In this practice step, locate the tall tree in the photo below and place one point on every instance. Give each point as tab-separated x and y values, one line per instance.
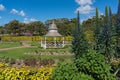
111	33
36	28
80	45
106	37
13	27
97	32
118	31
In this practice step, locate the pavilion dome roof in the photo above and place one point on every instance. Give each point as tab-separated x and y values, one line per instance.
53	31
53	34
53	26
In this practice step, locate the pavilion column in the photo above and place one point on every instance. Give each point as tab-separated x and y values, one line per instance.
55	42
63	43
45	44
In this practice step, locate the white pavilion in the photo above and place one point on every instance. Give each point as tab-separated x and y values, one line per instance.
54	34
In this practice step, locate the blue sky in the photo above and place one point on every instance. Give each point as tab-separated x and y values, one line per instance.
42	10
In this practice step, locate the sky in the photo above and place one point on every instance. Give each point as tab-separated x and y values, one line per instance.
41	10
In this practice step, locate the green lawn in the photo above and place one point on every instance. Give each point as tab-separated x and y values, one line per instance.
19	54
9	44
34	43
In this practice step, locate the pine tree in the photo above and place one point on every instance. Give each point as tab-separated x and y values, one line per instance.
97	32
110	17
106	37
80	45
111	33
117	26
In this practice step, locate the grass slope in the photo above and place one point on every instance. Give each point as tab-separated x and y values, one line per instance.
9	44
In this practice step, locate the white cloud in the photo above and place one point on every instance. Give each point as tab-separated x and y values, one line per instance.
0	17
86	9
101	13
2	7
14	11
85	6
84	2
22	13
26	20
33	19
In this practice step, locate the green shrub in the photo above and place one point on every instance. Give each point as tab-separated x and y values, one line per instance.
69	71
94	64
25	73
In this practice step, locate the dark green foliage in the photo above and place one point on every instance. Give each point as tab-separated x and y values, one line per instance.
90	66
69	72
36	28
117	26
65	27
111	34
17	28
94	64
80	45
110	17
104	41
107	36
118	8
97	32
13	27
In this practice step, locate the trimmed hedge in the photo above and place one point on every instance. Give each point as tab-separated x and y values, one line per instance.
34	38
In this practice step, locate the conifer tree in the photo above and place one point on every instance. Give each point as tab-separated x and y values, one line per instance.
80	45
106	37
117	26
97	32
111	33
110	17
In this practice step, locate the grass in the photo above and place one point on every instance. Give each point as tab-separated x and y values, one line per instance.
19	54
34	43
9	44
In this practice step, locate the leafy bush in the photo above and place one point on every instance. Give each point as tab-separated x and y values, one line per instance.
90	66
94	64
24	73
69	71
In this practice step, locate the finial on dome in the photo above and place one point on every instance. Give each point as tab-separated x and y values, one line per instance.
53	22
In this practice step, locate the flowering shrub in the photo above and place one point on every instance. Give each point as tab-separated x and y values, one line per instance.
34	38
24	73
